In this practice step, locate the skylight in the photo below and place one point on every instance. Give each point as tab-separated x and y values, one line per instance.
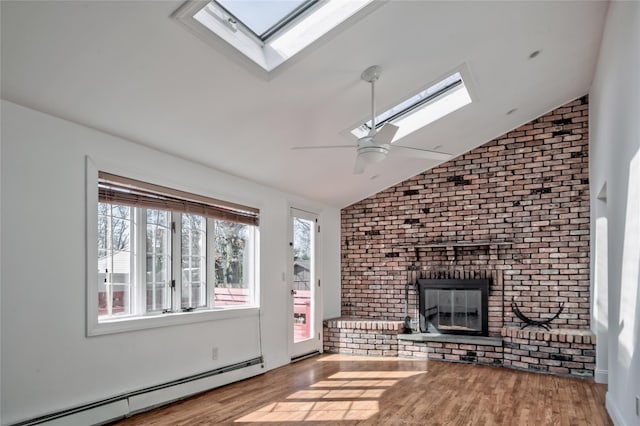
268	32
263	18
425	107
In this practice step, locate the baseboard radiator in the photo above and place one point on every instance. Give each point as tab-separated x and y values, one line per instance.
124	405
304	356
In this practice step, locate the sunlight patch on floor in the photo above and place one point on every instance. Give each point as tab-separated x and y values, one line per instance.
359	358
313	411
375	374
347	395
337	394
353	383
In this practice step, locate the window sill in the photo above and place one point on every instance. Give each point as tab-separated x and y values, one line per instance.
166	320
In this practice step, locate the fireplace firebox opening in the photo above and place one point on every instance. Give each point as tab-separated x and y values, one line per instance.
454	306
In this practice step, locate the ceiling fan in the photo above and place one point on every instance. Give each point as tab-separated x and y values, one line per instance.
375	146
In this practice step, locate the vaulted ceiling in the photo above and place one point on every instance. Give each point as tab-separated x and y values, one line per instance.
129	69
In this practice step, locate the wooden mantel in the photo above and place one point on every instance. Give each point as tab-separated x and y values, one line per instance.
455	245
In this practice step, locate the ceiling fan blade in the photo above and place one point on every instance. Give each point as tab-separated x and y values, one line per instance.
359	167
407	151
385	134
322	147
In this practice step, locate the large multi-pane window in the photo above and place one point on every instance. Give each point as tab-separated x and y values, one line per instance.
160	254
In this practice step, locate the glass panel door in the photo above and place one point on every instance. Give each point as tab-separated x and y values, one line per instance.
304	283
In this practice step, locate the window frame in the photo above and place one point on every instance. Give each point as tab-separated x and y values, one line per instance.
139	319
171	253
265	57
306	6
179	276
461	86
133	267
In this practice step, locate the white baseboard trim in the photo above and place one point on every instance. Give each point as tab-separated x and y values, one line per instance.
614	412
93	416
601	376
150	400
126	405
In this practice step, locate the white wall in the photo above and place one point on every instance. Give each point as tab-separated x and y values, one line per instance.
48	363
0	269
332	289
615	160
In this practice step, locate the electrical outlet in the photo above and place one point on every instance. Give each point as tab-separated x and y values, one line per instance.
214	353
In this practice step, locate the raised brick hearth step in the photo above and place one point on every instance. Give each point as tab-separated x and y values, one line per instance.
554	335
558	351
451	338
364	323
347	335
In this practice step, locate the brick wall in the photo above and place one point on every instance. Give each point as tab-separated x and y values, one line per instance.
529	186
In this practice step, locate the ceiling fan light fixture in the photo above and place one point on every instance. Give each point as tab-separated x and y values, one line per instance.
373	154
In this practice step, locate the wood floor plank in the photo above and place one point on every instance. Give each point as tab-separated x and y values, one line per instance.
338	389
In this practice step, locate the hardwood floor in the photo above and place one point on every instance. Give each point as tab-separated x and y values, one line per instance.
339	389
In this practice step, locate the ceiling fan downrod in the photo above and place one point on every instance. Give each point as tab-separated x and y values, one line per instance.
371	75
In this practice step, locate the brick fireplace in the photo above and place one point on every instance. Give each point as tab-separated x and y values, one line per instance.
515	210
453	305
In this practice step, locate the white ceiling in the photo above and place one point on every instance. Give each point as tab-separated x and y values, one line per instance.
128	69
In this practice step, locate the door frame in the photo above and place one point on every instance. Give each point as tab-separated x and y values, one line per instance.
314	344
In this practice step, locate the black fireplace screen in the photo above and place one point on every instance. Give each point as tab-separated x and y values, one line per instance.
453	306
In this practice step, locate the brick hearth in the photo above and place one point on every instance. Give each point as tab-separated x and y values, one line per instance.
567	352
